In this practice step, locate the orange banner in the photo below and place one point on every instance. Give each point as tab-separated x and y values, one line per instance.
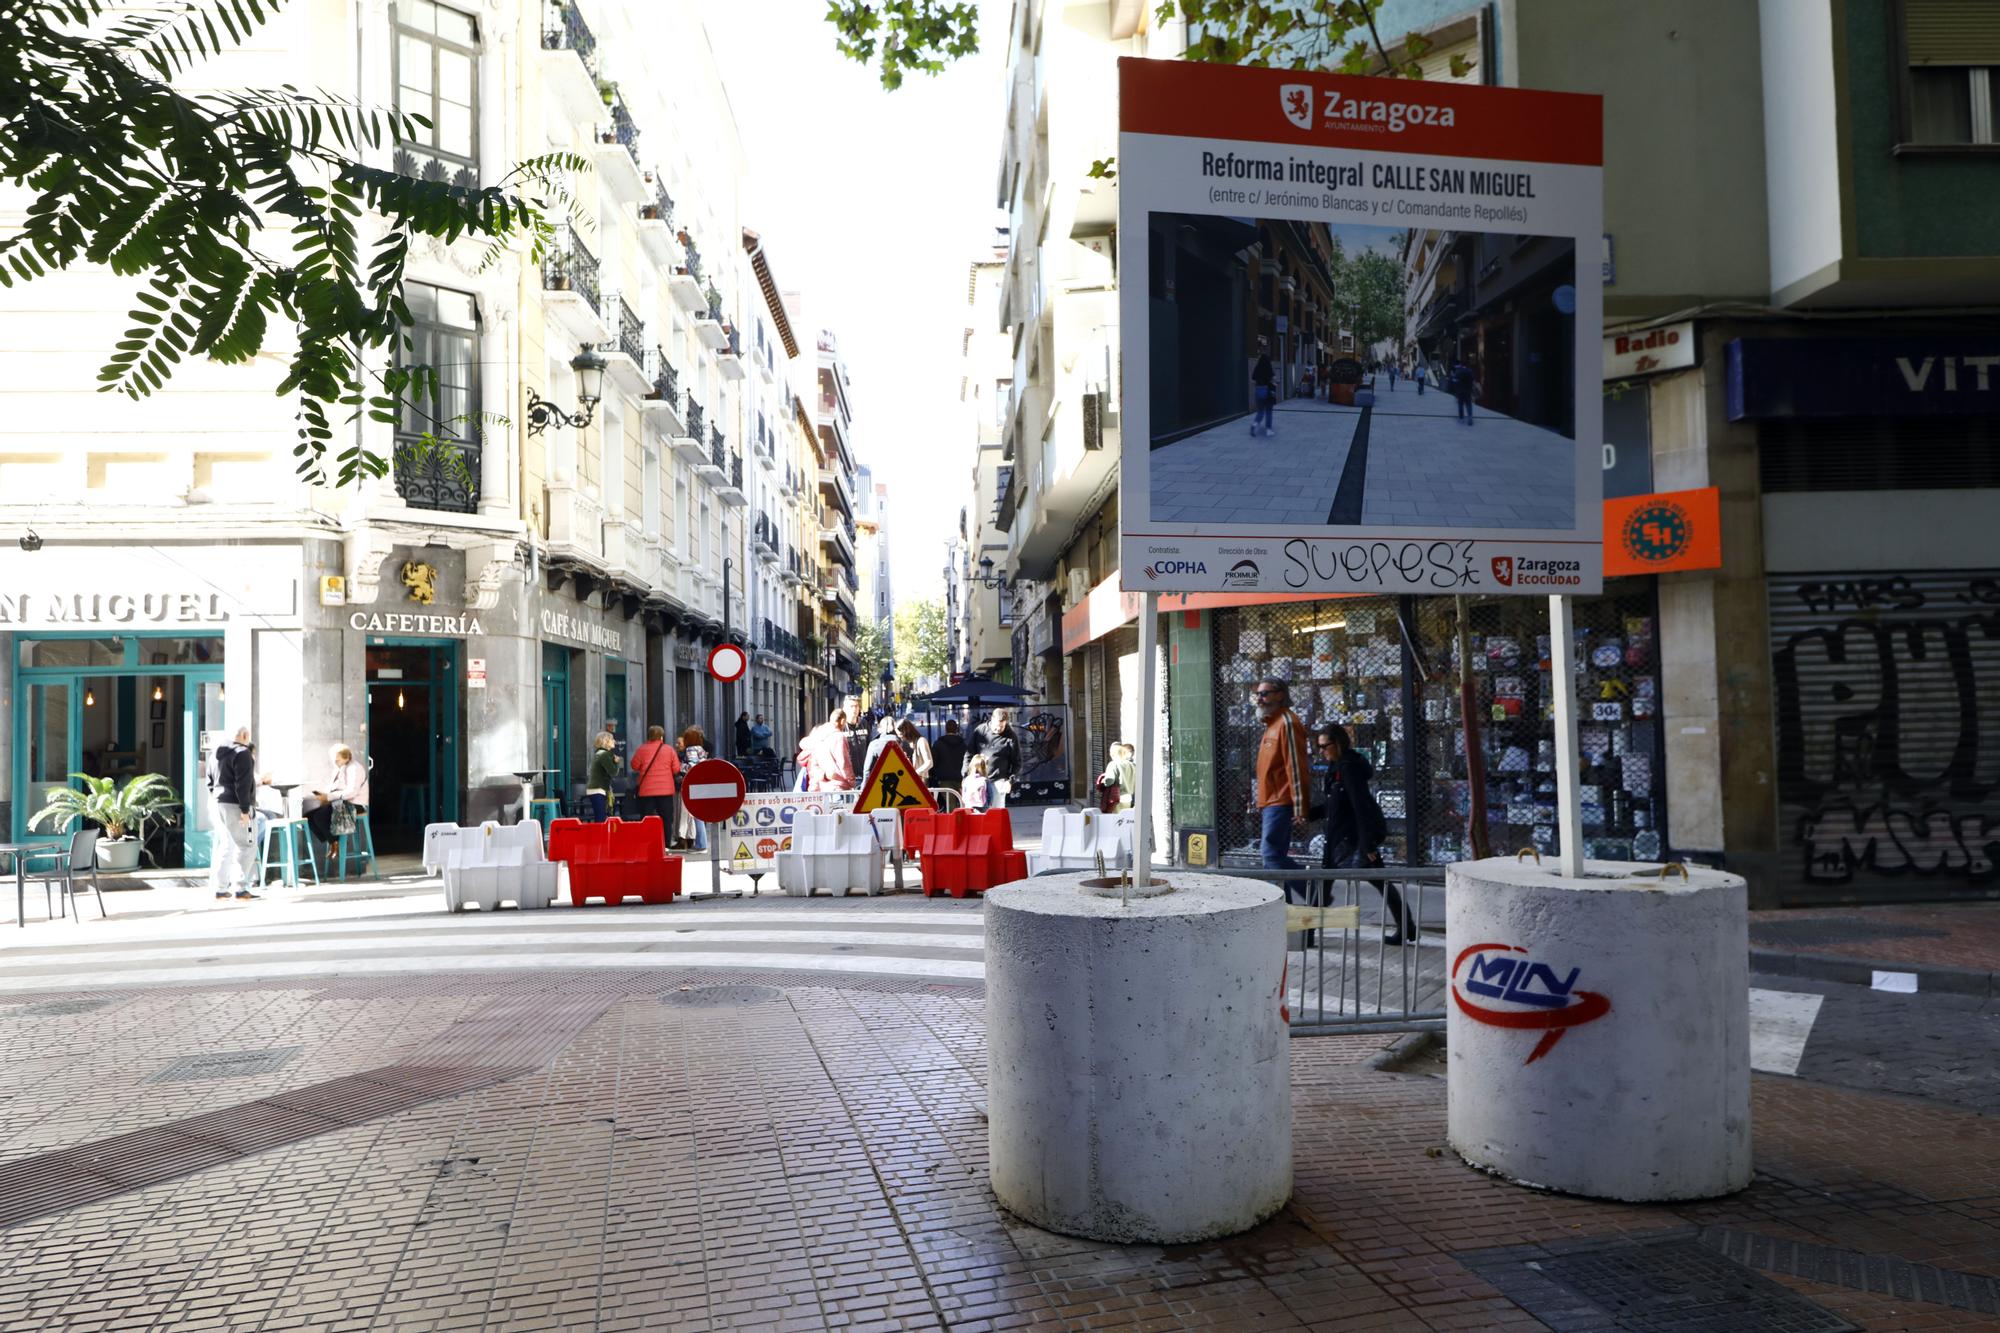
1663	532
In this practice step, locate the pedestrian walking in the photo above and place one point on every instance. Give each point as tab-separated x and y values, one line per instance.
1264	391
824	759
232	808
1355	825
1281	796
1119	781
603	771
656	770
858	733
918	749
948	756
999	745
694	749
330	814
1392	376
1464	386
885	731
1421	373
976	789
740	739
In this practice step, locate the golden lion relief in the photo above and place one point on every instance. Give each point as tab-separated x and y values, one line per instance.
421	580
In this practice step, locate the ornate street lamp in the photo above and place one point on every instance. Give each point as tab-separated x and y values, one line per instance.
589	368
987	578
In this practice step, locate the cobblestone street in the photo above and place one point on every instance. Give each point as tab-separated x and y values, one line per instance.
717	1150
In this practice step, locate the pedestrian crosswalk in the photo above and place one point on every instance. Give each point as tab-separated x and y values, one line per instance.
941	943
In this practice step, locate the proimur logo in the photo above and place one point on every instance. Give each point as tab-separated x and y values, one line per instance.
1503	570
1242	574
1159	567
1297	100
1658	531
1531	996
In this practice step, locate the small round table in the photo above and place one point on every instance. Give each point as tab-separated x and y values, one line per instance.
528	776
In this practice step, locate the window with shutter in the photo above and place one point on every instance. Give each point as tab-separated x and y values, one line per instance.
1952	48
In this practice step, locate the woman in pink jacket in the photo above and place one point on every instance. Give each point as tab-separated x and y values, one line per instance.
656	771
825	758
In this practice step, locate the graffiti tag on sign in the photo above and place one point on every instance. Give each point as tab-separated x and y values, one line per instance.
1530	995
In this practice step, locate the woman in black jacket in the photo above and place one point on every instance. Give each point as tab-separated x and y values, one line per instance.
1355	826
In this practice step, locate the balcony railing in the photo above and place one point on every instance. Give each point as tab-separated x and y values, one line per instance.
631	333
784	643
716	449
694	257
666	380
564	30
736	471
570	267
437	474
661	209
694	417
852	579
735	347
622	130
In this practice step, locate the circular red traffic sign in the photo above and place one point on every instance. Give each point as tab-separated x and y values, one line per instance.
728	662
713	790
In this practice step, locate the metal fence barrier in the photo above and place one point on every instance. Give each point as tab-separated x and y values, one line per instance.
1344	974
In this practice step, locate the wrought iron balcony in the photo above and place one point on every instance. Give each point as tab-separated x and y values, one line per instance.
736	471
570	267
735	346
437	474
631	333
777	639
716	449
563	29
694	257
661	208
694	417
666	380
622	130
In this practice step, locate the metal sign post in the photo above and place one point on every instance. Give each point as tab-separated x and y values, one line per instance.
714	791
1142	794
1562	673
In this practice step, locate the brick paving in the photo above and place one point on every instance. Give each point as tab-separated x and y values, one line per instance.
812	1155
1956	935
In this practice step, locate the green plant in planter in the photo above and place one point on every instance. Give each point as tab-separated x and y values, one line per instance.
714	302
103	802
607	90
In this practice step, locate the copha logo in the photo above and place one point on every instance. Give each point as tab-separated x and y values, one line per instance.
1503	570
1159	567
1547	1004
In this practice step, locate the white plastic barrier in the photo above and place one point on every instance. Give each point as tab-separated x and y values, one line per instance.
888	829
832	852
439	840
1074	839
496	863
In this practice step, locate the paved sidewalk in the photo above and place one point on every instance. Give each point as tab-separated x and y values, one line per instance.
723	1152
1416	466
1947	946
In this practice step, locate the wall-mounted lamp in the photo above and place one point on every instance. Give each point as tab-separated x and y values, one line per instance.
399	698
222	694
90	698
589	368
987	578
158	693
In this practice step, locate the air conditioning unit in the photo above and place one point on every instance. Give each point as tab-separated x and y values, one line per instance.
1079	587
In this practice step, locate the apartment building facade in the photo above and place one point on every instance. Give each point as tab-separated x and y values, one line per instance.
978	567
837	580
557	545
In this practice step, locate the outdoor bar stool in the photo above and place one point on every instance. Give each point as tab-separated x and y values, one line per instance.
545	810
289	836
346	849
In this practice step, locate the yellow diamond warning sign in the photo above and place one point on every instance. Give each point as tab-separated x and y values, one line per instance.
893	785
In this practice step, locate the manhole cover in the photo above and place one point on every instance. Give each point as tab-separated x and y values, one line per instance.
715	997
54	1008
1679	1287
226	1064
1838	932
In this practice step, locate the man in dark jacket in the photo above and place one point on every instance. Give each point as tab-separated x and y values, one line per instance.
948	757
1263	380
232	807
1000	745
1355	826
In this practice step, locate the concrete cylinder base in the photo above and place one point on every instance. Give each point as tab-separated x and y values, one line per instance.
1599	1029
1138	1076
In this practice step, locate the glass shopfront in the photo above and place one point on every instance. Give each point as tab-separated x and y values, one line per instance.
1389	670
118	706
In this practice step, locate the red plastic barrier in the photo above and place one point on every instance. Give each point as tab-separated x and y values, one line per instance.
916	827
965	853
616	860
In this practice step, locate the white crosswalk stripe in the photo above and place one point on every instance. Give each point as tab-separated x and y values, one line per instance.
402	935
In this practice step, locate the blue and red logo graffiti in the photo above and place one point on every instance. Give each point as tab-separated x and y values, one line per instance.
1504	972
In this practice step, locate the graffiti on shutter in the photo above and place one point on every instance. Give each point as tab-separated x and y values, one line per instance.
1887	707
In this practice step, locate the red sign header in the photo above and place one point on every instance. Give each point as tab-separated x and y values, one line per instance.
1192	100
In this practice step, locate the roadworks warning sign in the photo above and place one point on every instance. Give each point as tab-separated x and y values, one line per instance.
893	785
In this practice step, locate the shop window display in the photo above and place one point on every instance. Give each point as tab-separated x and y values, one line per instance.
1388	670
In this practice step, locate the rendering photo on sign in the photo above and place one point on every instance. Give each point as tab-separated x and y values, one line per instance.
1354	353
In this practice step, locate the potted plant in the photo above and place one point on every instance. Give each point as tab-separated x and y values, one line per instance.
121	812
607	90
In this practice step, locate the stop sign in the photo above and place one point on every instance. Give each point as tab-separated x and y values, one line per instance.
713	790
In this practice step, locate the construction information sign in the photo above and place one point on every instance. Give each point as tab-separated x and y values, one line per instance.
760	830
893	785
1353	314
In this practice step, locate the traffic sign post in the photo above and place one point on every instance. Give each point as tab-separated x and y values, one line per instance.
713	791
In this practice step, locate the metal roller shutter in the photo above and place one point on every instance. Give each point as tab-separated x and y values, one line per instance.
1952	32
1887	711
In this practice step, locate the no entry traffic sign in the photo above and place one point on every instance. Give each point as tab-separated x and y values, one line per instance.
714	790
728	662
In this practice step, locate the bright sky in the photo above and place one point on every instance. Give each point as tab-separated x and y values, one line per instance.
871	204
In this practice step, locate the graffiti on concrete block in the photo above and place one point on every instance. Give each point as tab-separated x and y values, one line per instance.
1841	840
1888	726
